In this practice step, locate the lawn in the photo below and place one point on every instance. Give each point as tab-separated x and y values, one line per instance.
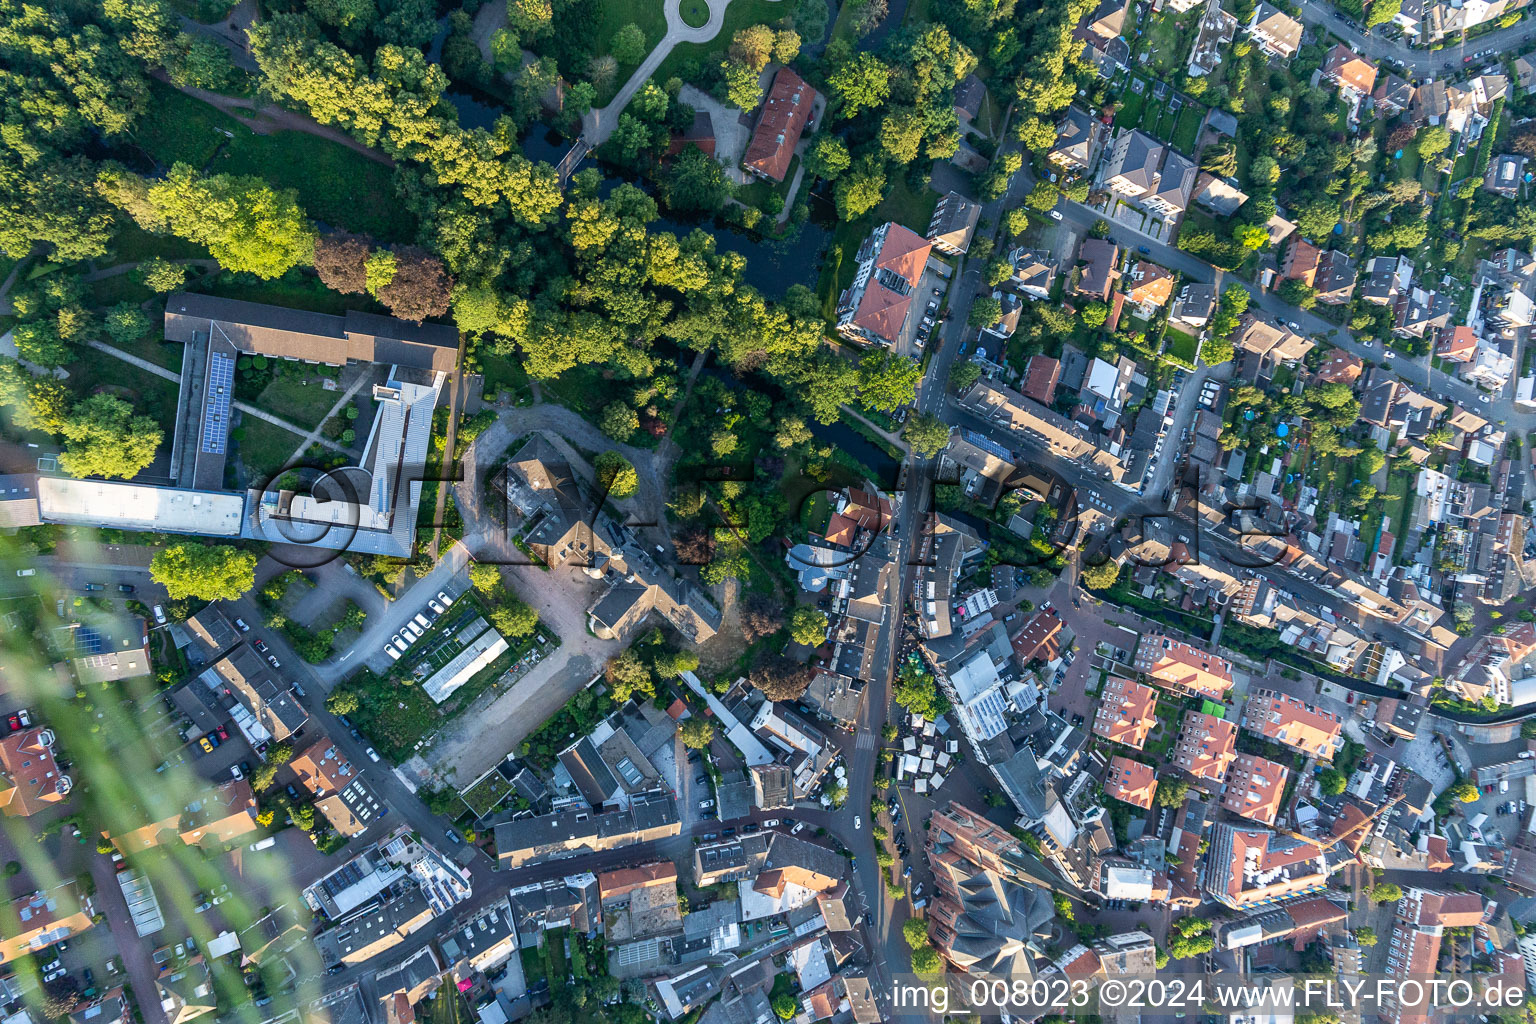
1131	103
503	373
912	209
297	395
1186	131
264	448
1182	347
1396	509
109	291
155	349
1166	41
739	15
336	185
756	192
695	13
648	15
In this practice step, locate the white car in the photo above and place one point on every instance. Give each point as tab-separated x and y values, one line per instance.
26	572
858	822
442	596
1483	399
1055	215
394	655
796	830
437	609
373	755
1368	343
770	823
1525	755
55	975
410	630
1389	353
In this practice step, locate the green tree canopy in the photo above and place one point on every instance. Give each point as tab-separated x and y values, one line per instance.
206	572
697	732
102	437
514	618
808	626
1102	576
616	475
888	381
927	434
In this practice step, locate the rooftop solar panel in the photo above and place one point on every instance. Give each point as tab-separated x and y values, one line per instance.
221	384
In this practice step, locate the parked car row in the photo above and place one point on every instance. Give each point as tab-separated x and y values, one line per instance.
417	626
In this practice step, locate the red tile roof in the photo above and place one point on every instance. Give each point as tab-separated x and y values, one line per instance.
784	116
904	253
1131	782
881	311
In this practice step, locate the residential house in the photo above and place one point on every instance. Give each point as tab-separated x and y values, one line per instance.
1079	138
953	223
1034	272
700	133
1219	195
1127	712
41	918
1206	746
786	114
1525	72
1294	723
1194	306
1254	788
1353	74
1417	311
1505	174
1276	32
341	793
970	94
1335	278
1041	375
32	779
1340	367
1457	346
535	840
1215	33
1151	287
875	308
1300	263
1393	95
1183	668
1131	782
1385	278
186	990
1100	261
1010	307
1271	342
1106	22
1145	171
1491	366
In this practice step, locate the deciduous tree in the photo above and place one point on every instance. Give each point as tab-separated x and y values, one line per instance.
102	437
205	572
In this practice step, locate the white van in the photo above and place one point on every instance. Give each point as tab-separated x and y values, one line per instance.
389	649
410	630
422	621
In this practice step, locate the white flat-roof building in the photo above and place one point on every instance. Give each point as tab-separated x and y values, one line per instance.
131	506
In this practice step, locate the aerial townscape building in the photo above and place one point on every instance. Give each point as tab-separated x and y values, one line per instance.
765	512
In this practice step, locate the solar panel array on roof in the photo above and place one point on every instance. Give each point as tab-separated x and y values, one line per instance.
345	877
87	641
221	385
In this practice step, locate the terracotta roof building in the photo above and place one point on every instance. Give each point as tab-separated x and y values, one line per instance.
1348	70
1206	746
1182	667
1459	345
1040	638
1340	367
1293	723
875	307
342	794
1300	263
1131	782
785	114
1254	788
1127	712
32	778
43	918
1041	375
1246	867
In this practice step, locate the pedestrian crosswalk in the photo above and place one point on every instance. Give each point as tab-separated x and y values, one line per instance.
866	740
